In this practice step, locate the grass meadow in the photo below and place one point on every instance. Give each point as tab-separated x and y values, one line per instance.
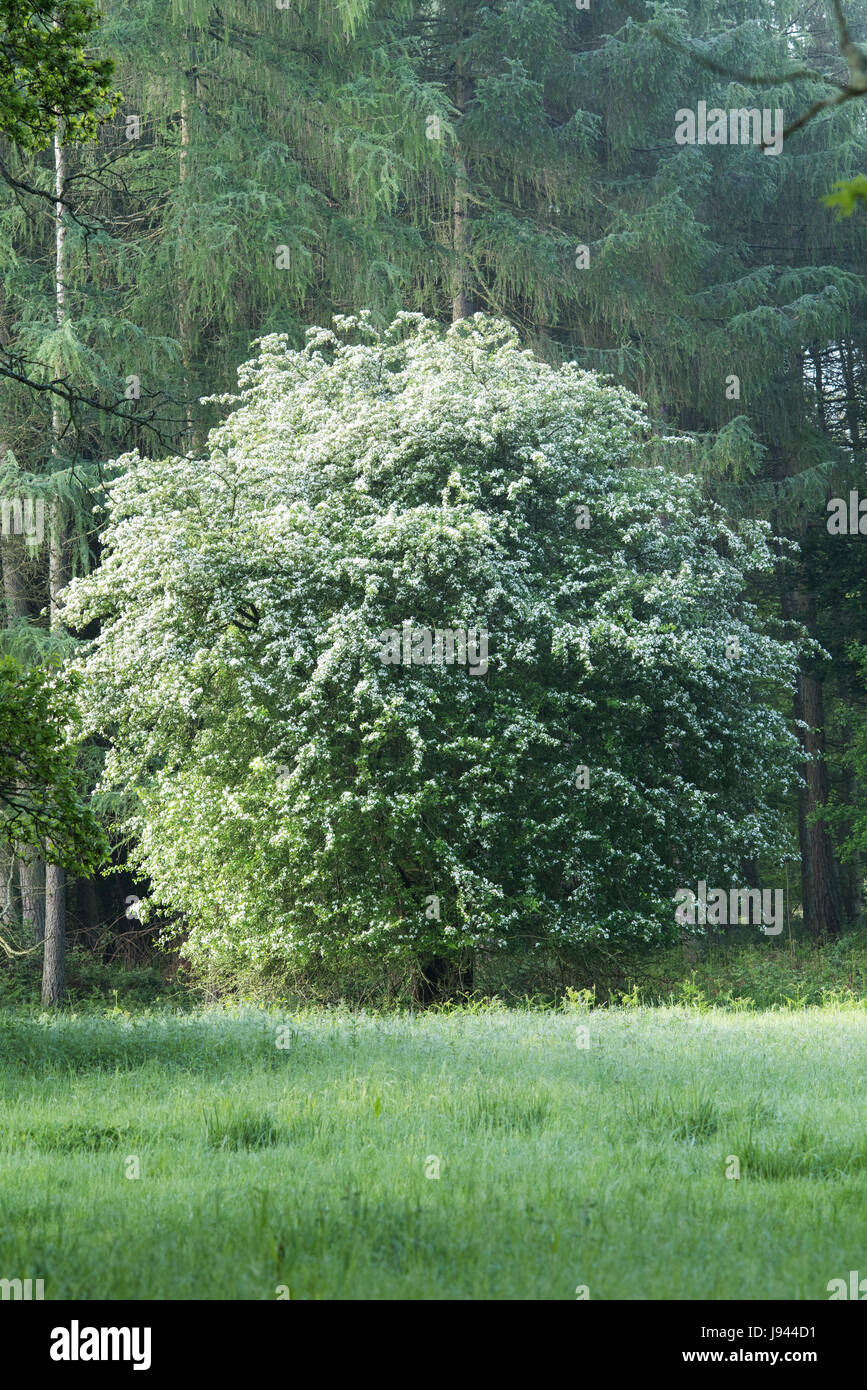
574	1146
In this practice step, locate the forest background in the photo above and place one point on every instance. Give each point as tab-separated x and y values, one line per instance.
269	166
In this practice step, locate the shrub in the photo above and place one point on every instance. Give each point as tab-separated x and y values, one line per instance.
299	798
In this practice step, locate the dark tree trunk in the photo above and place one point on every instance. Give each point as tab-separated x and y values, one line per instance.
852	881
847	361
13	559
827	900
31	870
850	876
820	878
808	896
88	905
31	879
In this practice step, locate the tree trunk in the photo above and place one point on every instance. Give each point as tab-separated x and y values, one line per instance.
31	869
54	963
13	572
847	361
808	894
184	325
9	898
820	878
89	903
460	295
31	879
461	230
852	888
827	901
185	322
750	878
54	960
851	872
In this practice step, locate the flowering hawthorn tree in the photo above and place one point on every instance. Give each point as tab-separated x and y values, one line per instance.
298	786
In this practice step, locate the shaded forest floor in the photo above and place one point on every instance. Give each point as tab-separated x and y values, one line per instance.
740	971
482	1153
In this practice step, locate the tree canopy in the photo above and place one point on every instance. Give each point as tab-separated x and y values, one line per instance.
298	790
47	74
43	797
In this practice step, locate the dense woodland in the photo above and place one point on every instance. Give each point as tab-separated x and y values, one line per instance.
269	166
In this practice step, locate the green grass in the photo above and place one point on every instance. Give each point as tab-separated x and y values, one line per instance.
559	1165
